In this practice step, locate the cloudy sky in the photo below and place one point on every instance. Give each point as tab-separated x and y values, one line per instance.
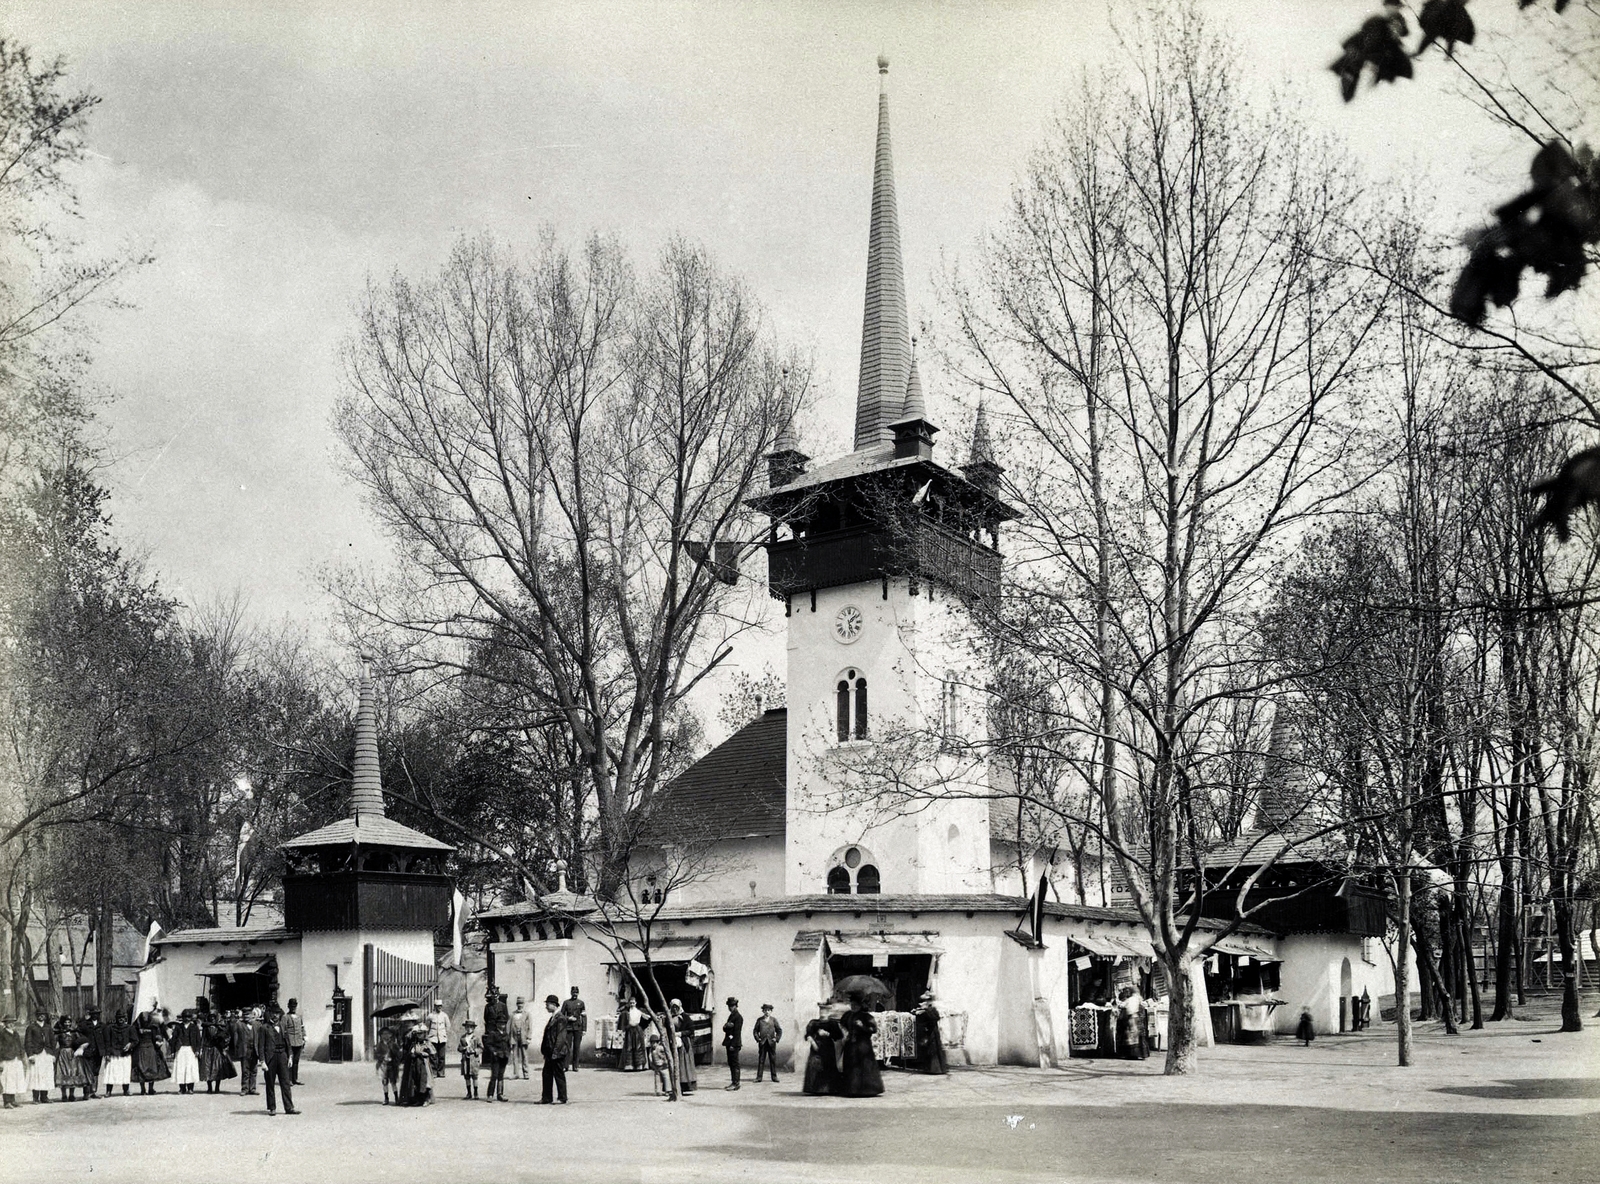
273	156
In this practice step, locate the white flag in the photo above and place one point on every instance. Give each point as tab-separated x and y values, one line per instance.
457	903
922	494
149	939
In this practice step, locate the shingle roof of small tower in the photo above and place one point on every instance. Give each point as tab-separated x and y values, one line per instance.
367	824
366	787
914	407
885	329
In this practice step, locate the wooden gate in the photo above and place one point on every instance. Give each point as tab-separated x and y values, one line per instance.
387	979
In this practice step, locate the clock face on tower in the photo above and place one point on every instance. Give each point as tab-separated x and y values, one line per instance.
847	625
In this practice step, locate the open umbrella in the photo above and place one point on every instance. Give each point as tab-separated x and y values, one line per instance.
863	984
398	1007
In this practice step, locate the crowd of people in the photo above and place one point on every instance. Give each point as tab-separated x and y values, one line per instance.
93	1058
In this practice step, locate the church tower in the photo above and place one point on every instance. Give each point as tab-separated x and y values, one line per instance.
881	558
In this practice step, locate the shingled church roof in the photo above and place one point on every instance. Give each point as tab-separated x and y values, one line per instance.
736	791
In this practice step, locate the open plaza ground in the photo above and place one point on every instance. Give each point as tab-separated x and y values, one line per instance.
1517	1101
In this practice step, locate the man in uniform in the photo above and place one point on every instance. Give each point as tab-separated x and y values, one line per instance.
577	1024
438	1036
272	1052
294	1026
733	1041
553	1048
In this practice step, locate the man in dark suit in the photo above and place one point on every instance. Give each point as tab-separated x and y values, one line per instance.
733	1040
272	1054
553	1048
91	1035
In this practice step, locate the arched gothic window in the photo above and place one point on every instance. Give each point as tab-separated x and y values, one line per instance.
851	706
854	871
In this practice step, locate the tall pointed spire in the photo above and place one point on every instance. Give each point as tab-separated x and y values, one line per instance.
885	330
366	790
982	446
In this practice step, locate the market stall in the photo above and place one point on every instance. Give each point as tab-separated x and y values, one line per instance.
1241	975
1102	963
677	968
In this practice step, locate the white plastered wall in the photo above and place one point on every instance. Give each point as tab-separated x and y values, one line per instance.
906	647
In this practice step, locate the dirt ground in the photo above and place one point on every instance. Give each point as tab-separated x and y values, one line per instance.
1516	1102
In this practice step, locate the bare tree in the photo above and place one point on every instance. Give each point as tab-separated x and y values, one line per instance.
562	456
1173	339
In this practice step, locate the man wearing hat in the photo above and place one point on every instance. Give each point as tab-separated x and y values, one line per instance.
733	1040
89	1035
470	1049
553	1048
577	1013
767	1032
295	1025
521	1037
272	1054
438	1036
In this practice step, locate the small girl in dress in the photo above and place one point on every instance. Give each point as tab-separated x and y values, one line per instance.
656	1056
471	1049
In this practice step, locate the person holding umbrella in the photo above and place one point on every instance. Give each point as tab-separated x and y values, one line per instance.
860	1073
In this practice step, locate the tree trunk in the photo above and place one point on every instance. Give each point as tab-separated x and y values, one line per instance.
1428	985
1506	927
1464	925
1402	973
1571	1013
104	957
1183	1033
1433	975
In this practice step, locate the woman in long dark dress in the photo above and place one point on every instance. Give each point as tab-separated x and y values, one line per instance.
70	1076
822	1061
416	1081
862	1077
684	1026
930	1045
149	1064
215	1067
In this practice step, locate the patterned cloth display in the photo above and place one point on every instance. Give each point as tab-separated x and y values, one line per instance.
896	1035
1085	1027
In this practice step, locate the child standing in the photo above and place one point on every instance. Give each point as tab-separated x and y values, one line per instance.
471	1049
1307	1031
656	1055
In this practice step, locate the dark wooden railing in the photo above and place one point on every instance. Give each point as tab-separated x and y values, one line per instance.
366	900
919	547
1359	911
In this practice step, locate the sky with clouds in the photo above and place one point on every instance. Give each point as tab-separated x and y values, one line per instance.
274	156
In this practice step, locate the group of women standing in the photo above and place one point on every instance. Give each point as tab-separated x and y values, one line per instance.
840	1058
90	1058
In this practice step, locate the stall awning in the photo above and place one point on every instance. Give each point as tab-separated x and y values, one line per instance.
247	964
1114	945
667	949
1246	947
882	943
